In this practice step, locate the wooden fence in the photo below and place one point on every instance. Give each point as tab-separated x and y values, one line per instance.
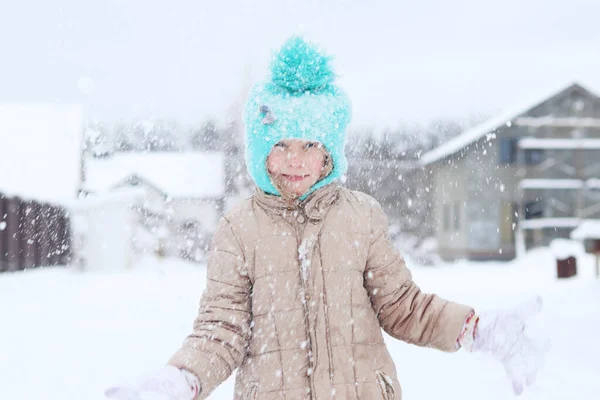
32	234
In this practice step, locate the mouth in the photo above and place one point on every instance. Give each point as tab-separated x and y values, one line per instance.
295	178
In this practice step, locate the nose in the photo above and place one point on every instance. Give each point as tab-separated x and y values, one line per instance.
295	159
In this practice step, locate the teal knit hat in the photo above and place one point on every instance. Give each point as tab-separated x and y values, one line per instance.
300	101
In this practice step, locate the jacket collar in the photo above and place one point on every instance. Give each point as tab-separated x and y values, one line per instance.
314	207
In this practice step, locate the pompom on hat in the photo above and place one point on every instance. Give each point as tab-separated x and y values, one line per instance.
299	101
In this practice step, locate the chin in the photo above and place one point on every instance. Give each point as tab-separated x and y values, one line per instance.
297	193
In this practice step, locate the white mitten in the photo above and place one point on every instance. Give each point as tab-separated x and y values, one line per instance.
168	383
502	335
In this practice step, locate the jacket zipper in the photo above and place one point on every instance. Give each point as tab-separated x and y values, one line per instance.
310	373
252	392
385	383
327	332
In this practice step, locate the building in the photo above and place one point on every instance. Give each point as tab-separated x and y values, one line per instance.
184	185
179	197
520	179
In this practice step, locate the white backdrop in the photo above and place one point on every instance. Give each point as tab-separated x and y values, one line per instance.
40	150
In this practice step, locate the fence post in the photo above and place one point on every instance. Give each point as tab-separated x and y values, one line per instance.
53	235
44	234
28	211
3	234
14	237
64	237
37	234
56	235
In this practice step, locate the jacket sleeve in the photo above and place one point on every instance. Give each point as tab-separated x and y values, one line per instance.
404	312
221	332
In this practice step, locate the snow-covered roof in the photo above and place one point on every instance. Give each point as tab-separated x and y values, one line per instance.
551	183
40	150
588	229
179	175
558	122
472	135
540	223
561	144
593	183
559	183
565	248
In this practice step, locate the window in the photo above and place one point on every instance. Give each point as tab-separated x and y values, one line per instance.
534	156
534	209
447	217
508	150
457	216
452	217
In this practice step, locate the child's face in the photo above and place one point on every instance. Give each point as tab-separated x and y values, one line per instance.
296	165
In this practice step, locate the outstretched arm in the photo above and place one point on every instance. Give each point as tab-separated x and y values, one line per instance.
403	310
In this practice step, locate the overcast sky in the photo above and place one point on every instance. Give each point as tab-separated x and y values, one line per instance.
399	61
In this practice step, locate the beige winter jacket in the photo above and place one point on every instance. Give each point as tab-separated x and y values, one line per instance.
296	298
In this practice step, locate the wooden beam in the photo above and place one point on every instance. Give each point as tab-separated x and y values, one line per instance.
559	144
540	223
568	122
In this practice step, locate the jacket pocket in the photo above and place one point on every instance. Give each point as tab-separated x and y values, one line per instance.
385	383
252	393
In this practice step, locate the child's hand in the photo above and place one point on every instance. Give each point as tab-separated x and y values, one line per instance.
168	383
502	335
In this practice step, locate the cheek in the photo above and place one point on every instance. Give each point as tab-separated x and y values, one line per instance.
274	163
316	163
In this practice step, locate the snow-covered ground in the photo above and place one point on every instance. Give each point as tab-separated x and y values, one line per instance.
67	335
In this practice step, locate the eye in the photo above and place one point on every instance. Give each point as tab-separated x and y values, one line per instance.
280	146
310	145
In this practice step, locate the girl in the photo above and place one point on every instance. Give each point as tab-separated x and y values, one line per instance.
302	276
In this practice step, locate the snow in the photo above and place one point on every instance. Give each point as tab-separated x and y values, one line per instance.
559	183
563	248
40	151
69	335
551	184
549	120
588	229
304	257
178	174
487	127
593	183
560	144
540	223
